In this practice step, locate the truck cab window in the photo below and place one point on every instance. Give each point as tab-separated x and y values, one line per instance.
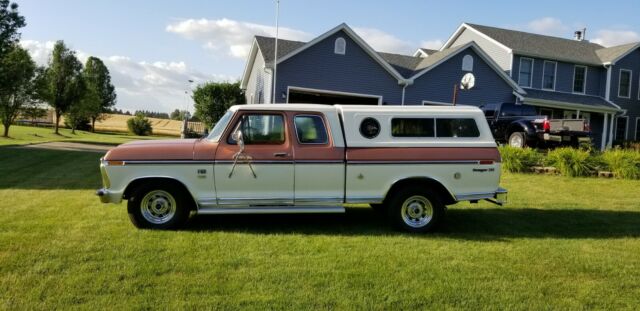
265	129
310	129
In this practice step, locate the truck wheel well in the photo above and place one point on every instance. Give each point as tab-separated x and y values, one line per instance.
425	182
135	184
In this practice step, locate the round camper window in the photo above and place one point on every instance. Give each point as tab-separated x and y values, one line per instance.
369	128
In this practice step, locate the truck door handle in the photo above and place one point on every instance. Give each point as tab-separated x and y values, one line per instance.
280	154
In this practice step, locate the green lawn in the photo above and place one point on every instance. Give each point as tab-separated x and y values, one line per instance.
22	135
560	243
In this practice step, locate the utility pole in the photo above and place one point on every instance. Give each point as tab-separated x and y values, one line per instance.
275	56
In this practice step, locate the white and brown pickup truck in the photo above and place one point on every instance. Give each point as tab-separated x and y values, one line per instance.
410	162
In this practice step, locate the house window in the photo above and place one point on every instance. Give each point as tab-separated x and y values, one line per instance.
549	75
579	79
467	63
340	46
526	72
621	128
637	129
624	83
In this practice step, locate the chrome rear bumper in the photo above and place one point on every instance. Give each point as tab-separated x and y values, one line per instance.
499	196
107	196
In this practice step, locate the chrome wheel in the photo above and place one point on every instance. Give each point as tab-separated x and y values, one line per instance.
158	207
516	141
417	211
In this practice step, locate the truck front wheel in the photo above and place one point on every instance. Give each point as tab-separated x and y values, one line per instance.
517	140
416	209
158	207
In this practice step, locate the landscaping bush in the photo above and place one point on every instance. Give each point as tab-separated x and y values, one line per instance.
139	125
624	163
518	160
573	162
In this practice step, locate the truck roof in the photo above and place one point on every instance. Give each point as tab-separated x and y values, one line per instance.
356	108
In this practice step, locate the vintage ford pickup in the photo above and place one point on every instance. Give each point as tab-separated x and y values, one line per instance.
407	161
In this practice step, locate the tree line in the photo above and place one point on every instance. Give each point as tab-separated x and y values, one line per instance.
81	93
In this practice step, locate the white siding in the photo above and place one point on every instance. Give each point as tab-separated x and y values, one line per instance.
497	53
258	80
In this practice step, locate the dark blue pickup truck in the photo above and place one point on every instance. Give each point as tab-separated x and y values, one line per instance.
520	126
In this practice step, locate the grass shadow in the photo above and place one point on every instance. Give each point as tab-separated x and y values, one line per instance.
478	224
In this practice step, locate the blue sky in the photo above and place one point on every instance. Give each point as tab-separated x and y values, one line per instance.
153	47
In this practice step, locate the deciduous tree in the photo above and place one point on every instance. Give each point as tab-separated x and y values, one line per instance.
212	100
10	22
16	84
102	95
64	84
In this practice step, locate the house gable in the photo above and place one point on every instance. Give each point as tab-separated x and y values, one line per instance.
318	67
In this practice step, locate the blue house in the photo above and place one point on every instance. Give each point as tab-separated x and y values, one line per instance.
568	78
563	78
339	67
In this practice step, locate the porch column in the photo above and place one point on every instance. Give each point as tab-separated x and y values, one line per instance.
610	143
604	132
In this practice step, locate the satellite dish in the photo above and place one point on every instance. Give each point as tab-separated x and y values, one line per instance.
468	81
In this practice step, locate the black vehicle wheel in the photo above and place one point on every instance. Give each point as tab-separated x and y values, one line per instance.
416	210
517	140
158	206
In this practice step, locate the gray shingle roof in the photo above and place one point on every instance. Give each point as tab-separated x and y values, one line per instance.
530	44
586	100
611	54
404	64
267	47
428	51
426	62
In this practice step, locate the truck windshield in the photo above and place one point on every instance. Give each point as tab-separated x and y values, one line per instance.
217	130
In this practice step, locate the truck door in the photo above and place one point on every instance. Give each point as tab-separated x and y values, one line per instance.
262	173
319	164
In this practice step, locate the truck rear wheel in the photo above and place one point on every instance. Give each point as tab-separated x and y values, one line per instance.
517	140
158	206
416	210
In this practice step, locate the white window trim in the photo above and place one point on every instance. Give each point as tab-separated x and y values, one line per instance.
635	133
626	128
344	46
431	102
471	62
520	70
584	83
630	82
555	74
638	89
305	89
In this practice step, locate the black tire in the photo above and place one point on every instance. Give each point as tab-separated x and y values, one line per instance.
517	139
167	198
429	205
378	207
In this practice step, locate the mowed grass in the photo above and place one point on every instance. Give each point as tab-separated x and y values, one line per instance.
560	243
22	135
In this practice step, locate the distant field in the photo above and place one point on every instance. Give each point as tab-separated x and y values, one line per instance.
23	135
118	123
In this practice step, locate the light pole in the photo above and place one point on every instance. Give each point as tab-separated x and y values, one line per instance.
185	118
275	56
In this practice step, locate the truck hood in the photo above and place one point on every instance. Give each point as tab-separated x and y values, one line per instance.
175	149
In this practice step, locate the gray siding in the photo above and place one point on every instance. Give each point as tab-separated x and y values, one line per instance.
437	84
318	67
255	92
497	53
632	105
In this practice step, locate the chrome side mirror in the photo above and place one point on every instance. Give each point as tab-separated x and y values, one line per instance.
237	136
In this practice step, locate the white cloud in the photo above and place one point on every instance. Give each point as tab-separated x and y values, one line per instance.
432	44
385	42
548	26
229	36
609	37
157	86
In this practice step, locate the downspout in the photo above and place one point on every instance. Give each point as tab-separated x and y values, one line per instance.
403	89
404	84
